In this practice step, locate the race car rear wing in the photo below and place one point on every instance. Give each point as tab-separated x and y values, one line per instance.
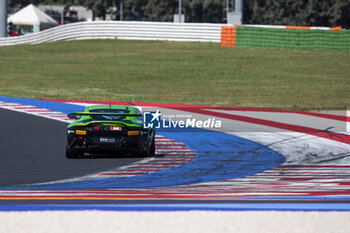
75	115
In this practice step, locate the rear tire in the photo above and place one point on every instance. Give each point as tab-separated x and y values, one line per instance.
153	147
150	151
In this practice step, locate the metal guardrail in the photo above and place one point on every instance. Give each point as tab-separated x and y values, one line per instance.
122	30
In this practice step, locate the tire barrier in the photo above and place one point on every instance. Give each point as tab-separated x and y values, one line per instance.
122	30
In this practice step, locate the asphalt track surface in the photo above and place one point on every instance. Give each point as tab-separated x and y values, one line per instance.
33	151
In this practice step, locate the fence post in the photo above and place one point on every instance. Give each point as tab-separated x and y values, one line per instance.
3	18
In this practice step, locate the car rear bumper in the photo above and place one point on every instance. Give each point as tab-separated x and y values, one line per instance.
120	143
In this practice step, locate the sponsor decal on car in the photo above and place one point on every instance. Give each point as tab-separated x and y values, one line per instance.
108	140
133	133
80	132
70	131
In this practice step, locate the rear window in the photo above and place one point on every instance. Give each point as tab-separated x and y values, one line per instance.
106	117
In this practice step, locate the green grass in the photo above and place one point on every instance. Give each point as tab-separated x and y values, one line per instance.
177	72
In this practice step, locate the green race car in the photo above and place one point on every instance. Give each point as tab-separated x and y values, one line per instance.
109	128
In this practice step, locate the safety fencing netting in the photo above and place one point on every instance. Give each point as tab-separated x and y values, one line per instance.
287	37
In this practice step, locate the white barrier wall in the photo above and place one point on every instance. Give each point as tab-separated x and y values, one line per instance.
122	30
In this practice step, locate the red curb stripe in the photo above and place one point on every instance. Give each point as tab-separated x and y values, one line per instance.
26	108
41	111
315	114
184	107
11	104
301	129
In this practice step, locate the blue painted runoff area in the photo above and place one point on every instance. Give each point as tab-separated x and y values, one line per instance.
219	157
183	207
